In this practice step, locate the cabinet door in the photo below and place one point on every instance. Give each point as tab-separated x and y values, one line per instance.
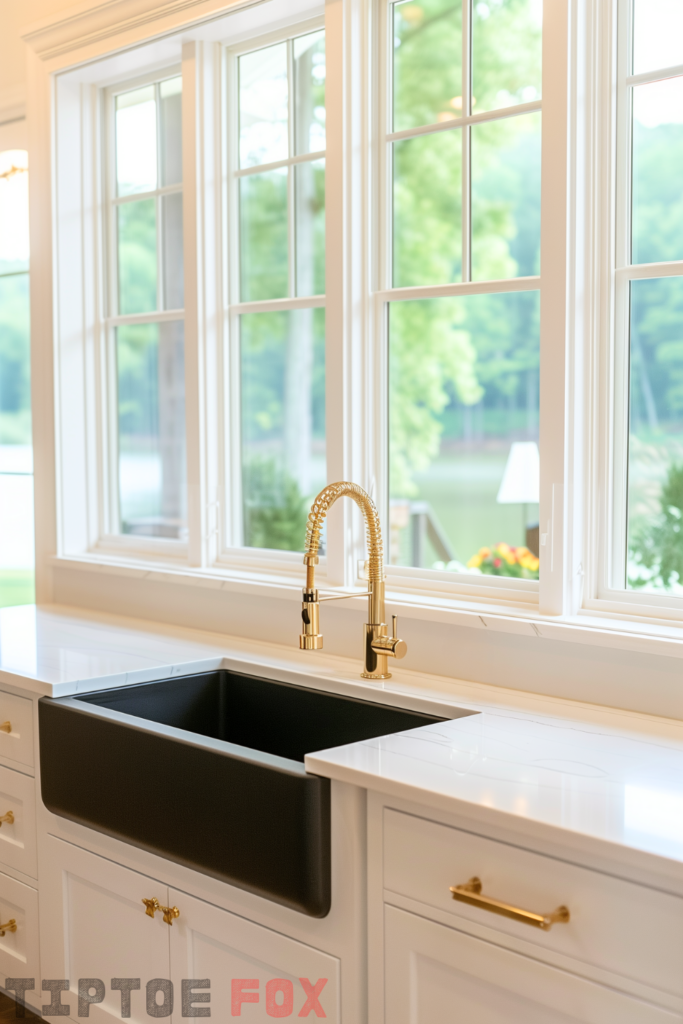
19	948
253	972
437	975
94	925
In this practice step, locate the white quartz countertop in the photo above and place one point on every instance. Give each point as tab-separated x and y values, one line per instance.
587	778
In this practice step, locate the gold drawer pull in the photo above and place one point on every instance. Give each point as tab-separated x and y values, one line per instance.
470	893
11	926
5	726
9	818
169	912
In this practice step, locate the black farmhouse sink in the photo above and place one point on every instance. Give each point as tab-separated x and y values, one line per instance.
208	771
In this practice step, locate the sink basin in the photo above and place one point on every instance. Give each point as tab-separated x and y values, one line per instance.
207	770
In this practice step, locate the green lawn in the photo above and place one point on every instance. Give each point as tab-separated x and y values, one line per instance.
16	587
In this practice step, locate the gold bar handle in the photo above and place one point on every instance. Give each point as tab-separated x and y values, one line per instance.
11	926
5	727
471	894
9	818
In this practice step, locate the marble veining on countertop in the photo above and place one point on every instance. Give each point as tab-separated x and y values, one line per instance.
597	773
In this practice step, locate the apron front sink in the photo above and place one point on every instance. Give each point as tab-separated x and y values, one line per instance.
207	770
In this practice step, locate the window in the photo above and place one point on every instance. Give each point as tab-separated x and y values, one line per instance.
16	456
232	374
277	287
647	524
146	325
460	265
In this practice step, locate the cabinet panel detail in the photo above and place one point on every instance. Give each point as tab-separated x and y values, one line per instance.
254	972
629	930
18	821
434	973
16	728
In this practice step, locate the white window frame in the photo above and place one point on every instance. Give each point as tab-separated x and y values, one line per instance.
231	552
112	537
610	377
405	577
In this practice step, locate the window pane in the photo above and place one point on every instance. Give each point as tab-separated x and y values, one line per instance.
170	111
283	424
427	209
655	458
463	419
16	526
263	236
14	249
137	242
16	455
136	141
264	92
309	76
151	420
15	363
506	198
506	53
310	228
427	62
172	234
657	35
657	220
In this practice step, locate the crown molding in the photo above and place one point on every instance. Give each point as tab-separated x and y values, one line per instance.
92	27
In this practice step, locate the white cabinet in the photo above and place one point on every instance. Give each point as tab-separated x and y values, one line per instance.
16	727
94	925
437	975
18	817
423	859
254	972
19	944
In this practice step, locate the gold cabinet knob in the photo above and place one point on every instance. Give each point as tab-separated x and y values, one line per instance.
169	914
151	905
9	818
11	926
5	726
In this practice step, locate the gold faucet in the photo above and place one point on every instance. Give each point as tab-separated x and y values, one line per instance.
377	643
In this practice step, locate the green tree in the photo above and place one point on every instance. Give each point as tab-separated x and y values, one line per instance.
449	355
657	545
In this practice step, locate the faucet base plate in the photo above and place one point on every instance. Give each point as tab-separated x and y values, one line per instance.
375	675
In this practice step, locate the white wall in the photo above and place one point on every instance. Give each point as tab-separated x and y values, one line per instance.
15	15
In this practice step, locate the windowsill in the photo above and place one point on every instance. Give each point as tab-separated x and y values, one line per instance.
498	613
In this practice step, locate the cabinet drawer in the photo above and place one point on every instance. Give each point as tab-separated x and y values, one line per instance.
19	949
18	837
626	929
438	974
16	744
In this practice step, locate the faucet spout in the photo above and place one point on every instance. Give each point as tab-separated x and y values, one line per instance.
377	644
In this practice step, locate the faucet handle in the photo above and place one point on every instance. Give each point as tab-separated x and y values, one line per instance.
390	645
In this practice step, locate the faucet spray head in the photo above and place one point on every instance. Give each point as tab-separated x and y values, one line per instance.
310	638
